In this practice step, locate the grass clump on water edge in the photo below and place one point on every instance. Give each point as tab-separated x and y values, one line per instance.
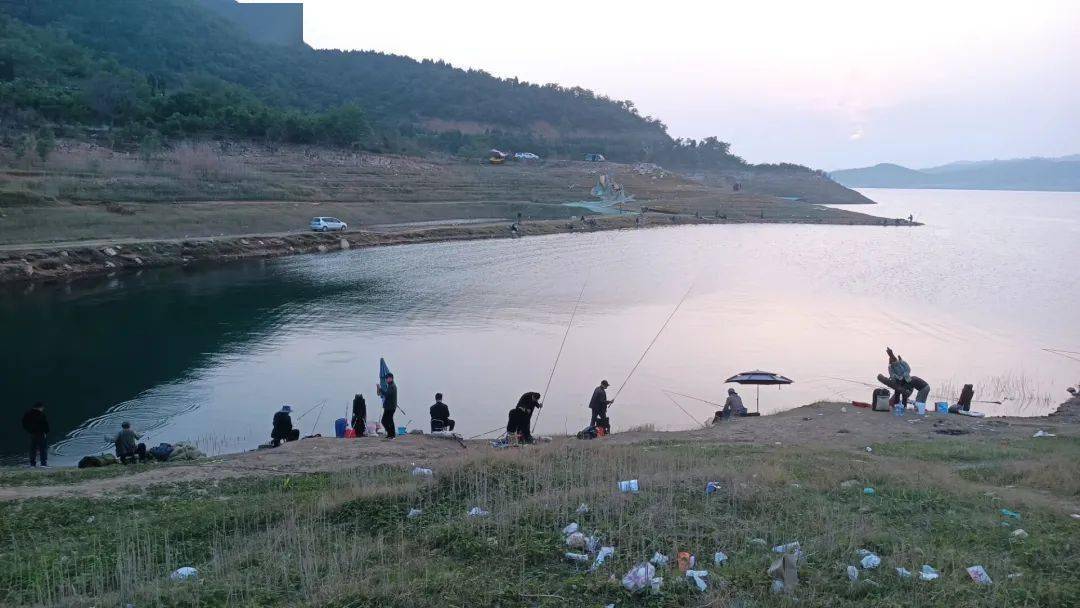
343	539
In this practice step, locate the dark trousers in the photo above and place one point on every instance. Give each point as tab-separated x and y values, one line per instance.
388	423
599	418
901	390
39	448
139	453
360	425
292	435
442	425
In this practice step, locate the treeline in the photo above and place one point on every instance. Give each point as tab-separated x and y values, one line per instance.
169	68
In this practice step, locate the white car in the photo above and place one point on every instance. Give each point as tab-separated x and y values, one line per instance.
526	156
326	224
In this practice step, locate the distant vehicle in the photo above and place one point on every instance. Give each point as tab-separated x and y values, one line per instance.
497	157
326	224
595	158
526	156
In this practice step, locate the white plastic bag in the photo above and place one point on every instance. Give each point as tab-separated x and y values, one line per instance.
639	577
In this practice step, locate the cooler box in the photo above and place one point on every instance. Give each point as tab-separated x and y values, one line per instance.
880	400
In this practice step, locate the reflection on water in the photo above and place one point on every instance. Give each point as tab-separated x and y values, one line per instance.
208	355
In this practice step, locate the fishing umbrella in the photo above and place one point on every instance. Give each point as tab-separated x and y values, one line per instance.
758	378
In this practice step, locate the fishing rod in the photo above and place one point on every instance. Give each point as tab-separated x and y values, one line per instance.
558	355
655	338
693	397
308	411
1068	354
317	418
488	432
672	399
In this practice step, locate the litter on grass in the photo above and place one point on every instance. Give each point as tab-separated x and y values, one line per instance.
1019	534
698	577
641	577
979	575
928	573
422	472
903	572
414	513
1012	514
478	512
576	541
785	574
571	528
185	573
577	557
659	559
629	486
868	491
787	548
870	561
852	573
719	558
1042	433
601	557
582	509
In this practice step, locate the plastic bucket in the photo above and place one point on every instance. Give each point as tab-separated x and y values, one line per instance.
339	427
402	430
921	408
942	407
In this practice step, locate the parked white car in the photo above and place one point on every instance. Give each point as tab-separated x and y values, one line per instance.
326	224
526	156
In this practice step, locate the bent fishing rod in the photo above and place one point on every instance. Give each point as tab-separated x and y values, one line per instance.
682	408
558	355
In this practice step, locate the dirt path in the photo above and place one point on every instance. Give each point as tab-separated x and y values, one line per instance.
830	425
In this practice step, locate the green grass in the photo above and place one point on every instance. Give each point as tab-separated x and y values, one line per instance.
343	540
11	477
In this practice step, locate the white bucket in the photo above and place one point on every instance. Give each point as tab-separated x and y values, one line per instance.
921	407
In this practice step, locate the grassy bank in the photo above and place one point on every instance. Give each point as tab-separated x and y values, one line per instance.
342	539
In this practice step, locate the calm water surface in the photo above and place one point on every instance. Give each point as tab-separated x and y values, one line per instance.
208	355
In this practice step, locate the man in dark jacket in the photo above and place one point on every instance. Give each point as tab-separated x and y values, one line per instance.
598	404
283	427
519	420
36	425
440	415
127	444
389	406
359	415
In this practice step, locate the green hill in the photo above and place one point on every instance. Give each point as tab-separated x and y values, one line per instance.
1061	174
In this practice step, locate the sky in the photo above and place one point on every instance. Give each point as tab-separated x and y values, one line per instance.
831	84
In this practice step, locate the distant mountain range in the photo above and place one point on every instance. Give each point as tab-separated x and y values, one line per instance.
1061	174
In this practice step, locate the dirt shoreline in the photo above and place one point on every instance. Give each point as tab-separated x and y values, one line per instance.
833	425
68	261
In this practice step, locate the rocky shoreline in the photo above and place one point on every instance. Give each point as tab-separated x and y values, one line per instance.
60	263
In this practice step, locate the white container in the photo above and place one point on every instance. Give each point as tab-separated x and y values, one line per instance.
921	407
630	486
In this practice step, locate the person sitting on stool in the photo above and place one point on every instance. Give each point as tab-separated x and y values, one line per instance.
127	446
283	428
440	415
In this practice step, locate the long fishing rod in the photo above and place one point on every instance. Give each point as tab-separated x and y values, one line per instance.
488	432
672	399
317	418
655	338
693	397
558	355
308	411
1068	354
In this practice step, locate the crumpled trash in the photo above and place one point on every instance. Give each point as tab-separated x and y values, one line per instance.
571	528
1042	433
629	486
850	483
852	573
414	513
869	449
601	557
639	578
928	573
478	512
785	574
759	542
869	491
719	558
712	487
903	572
185	573
686	561
422	472
1012	514
582	509
869	560
592	544
1019	534
659	559
698	577
576	541
576	557
979	575
787	548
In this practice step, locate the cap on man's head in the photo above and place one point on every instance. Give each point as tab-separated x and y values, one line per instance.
389	376
125	425
286	408
731	391
604	383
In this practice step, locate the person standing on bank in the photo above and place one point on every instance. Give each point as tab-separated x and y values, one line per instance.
36	424
519	420
440	415
359	415
389	406
599	404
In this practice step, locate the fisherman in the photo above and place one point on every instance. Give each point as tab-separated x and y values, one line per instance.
519	420
359	415
599	404
514	230
440	415
36	424
900	379
389	406
733	406
283	427
127	446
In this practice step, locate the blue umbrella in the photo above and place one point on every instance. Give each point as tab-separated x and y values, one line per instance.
758	378
384	371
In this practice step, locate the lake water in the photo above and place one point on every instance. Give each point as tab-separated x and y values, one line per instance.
208	355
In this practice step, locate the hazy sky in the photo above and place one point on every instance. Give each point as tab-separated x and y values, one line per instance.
831	84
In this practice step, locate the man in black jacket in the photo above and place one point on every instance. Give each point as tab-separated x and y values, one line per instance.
598	404
440	415
389	406
36	425
283	427
359	415
519	420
